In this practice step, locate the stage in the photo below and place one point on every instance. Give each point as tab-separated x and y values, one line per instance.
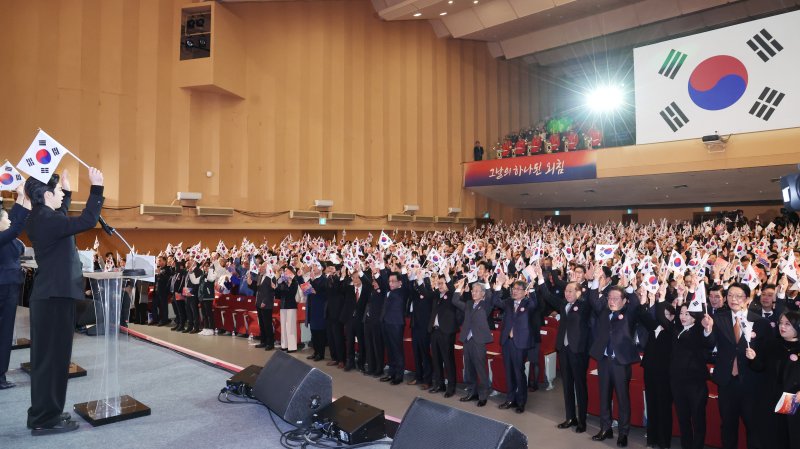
182	392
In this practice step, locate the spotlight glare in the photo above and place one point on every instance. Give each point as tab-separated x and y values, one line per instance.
604	99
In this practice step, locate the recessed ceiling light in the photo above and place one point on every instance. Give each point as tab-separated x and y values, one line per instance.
443	13
449	2
417	14
474	2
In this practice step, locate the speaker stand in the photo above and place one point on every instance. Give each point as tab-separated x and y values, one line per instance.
75	370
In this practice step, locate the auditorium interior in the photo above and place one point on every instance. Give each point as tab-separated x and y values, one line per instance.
287	128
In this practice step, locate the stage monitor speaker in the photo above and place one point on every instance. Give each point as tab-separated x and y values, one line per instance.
430	424
292	389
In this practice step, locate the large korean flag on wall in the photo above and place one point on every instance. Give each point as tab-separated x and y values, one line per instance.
737	79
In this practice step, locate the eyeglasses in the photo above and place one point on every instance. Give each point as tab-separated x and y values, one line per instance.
742	296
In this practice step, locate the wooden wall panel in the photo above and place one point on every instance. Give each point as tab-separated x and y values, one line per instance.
338	104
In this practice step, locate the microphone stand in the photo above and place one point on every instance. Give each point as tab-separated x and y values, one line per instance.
127	271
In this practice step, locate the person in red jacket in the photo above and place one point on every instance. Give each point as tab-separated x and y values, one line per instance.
555	142
521	148
536	144
571	140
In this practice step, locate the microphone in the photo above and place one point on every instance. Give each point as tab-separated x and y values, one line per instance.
109	230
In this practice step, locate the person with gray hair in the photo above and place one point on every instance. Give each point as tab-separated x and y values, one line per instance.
475	334
56	287
11	224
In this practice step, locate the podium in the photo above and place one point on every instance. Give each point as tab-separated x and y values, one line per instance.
111	405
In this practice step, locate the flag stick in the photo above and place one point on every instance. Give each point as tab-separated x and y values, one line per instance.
78	159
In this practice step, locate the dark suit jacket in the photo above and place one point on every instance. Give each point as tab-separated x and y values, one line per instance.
574	325
774	318
443	308
10	248
287	293
52	234
394	306
727	349
352	309
658	350
522	321
619	330
163	279
422	298
372	313
475	318
265	294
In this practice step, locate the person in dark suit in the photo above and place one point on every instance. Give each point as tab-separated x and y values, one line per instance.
356	296
11	276
373	331
516	337
287	292
779	359
393	319
58	283
767	306
687	370
739	386
315	320
572	344
334	296
655	364
421	302
265	301
475	335
442	326
615	350
161	294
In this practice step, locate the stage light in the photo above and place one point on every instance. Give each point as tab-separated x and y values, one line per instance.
707	209
604	98
417	14
558	212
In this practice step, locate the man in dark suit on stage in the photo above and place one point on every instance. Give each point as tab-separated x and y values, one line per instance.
161	296
615	350
738	385
265	301
475	335
356	295
516	337
443	326
393	319
572	344
58	283
333	315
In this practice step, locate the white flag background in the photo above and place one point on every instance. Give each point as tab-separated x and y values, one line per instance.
737	79
9	177
42	157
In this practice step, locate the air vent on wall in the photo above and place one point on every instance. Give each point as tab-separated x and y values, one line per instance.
304	214
214	211
445	219
424	218
680	186
402	217
341	216
159	209
465	220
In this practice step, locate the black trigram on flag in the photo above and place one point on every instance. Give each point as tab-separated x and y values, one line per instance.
44	170
42	142
672	64
7	168
18	177
29	161
674	117
55	151
764	45
766	104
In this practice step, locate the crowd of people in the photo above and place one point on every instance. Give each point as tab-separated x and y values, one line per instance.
674	297
542	139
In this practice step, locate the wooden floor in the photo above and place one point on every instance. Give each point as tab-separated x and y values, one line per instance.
544	410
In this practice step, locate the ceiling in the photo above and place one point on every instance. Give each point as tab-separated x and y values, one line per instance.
702	187
546	32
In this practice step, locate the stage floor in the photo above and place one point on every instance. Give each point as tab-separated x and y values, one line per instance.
181	392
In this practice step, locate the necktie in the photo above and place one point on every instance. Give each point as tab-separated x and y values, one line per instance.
737	332
474	306
767	314
609	346
566	331
516	307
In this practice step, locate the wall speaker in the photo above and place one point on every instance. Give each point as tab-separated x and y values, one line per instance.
430	424
292	389
790	188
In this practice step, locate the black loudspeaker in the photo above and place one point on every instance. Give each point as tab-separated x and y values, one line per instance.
432	425
292	389
790	188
